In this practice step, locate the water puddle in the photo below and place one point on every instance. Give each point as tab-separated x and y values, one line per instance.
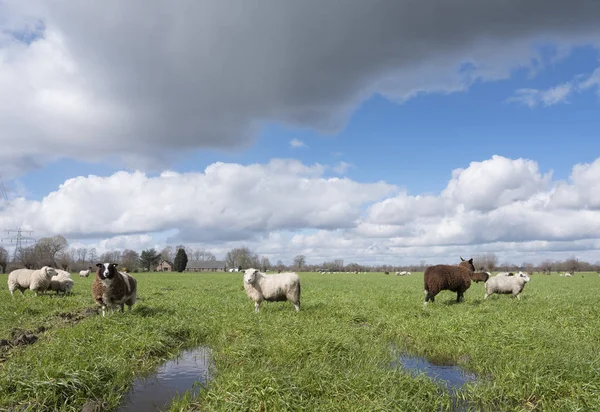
451	378
190	370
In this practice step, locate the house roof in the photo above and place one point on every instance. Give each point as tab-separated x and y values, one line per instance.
201	264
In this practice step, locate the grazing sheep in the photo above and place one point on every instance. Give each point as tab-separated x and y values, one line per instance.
111	287
61	282
85	273
501	274
272	288
567	275
447	277
403	273
506	284
387	273
480	277
35	280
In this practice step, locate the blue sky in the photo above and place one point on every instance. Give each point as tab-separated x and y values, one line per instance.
381	125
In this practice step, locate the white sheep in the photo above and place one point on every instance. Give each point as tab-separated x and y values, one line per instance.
35	280
61	282
272	288
506	284
85	273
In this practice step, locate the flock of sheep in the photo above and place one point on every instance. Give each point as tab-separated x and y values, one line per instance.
112	288
458	279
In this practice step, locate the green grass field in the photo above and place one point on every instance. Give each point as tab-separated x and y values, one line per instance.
539	353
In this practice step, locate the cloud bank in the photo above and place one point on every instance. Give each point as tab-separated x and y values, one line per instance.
285	207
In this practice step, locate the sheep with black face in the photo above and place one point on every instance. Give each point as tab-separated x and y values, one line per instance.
113	288
272	288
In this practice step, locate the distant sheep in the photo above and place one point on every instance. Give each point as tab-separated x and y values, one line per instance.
505	274
85	273
272	288
567	275
403	273
35	280
447	277
113	288
480	277
506	284
61	282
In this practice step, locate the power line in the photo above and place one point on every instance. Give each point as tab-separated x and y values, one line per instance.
18	239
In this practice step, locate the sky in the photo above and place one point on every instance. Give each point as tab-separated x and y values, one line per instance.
387	132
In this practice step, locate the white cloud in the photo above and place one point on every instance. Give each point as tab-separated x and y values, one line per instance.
592	82
107	82
297	143
284	208
558	94
549	97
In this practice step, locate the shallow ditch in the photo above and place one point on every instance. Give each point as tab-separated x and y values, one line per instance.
191	370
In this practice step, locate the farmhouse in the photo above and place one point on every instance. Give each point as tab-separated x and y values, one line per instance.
164	267
206	266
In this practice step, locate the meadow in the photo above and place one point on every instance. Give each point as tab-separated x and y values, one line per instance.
539	353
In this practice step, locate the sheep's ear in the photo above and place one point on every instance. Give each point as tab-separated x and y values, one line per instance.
461	258
471	260
115	264
98	264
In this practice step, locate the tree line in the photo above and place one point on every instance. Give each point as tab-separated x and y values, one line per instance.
54	251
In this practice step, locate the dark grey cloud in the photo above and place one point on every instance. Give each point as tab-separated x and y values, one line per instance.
149	76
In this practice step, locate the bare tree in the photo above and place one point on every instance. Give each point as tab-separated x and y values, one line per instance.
546	266
486	261
113	256
130	259
93	256
3	258
166	254
240	257
203	255
528	267
280	266
299	261
572	264
265	264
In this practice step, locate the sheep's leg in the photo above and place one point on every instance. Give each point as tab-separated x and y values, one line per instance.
297	306
256	306
103	310
459	297
486	295
122	307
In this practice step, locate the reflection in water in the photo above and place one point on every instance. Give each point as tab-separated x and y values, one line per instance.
176	376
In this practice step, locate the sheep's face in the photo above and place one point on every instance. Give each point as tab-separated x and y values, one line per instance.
524	277
250	275
49	272
467	264
107	270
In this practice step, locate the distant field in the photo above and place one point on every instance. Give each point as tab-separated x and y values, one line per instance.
540	353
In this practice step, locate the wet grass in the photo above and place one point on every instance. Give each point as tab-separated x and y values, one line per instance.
539	353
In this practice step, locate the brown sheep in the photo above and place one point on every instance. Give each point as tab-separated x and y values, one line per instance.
447	277
111	287
480	277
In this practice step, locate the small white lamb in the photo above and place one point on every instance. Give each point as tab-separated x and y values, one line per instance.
62	282
85	273
506	284
272	288
35	280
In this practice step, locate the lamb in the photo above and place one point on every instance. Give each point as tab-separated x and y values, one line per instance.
480	277
506	284
35	280
61	282
272	288
85	273
447	277
113	288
